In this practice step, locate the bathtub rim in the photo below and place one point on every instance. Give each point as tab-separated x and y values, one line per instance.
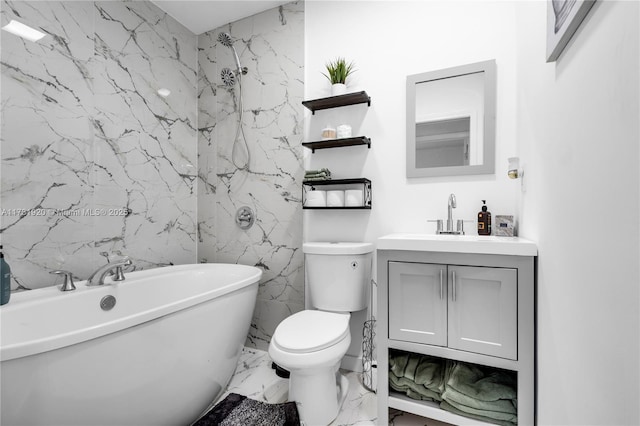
49	343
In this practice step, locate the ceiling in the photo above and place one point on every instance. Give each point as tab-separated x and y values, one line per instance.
204	15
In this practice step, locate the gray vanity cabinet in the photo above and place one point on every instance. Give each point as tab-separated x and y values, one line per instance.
483	310
417	303
464	298
462	307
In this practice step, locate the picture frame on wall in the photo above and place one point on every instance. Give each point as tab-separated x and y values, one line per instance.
563	19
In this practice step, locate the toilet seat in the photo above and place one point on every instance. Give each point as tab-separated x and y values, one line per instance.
311	331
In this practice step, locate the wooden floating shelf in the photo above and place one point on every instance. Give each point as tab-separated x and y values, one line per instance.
337	143
338	101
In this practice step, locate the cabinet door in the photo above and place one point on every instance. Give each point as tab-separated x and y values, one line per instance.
418	302
483	310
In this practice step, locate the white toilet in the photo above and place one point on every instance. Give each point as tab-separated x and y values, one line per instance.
311	344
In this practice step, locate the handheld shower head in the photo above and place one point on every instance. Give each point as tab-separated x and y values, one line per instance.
225	40
228	77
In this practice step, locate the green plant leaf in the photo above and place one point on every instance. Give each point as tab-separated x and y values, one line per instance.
338	70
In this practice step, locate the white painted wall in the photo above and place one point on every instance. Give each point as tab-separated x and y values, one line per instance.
574	123
578	135
388	41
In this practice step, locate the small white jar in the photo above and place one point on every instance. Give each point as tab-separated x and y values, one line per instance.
344	131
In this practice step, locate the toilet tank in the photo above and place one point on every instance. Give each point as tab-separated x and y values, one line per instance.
338	275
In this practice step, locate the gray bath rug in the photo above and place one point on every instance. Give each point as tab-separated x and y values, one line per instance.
238	410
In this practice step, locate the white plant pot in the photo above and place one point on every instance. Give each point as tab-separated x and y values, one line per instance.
338	89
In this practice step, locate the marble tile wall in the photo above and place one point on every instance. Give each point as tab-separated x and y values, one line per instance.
100	162
271	46
90	152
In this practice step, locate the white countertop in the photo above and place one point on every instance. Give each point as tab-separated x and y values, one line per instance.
473	244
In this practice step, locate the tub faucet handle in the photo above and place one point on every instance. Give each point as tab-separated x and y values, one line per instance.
116	257
68	284
118	275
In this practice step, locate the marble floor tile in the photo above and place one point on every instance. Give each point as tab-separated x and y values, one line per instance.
255	378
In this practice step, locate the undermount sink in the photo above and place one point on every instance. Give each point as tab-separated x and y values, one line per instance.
477	244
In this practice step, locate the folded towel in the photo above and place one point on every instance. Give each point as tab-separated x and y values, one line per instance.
424	370
316	178
315	172
446	406
494	415
412	389
481	391
456	398
322	174
481	383
319	176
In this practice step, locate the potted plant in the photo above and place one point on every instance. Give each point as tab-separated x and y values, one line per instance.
337	73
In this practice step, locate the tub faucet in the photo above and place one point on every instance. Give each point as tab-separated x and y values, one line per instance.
97	278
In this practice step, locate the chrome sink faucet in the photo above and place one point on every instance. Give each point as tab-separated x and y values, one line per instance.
450	206
459	223
97	278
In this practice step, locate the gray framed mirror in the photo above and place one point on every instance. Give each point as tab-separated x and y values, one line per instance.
451	121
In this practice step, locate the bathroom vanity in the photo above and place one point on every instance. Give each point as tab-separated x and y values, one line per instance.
461	298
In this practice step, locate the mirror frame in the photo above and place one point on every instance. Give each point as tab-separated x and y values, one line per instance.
488	138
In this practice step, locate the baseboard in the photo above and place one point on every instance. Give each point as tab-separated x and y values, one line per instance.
352	363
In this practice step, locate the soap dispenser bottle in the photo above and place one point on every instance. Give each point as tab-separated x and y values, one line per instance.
484	220
5	279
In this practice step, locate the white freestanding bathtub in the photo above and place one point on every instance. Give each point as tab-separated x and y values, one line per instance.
160	356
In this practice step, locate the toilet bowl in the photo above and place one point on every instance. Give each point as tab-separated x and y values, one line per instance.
311	343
